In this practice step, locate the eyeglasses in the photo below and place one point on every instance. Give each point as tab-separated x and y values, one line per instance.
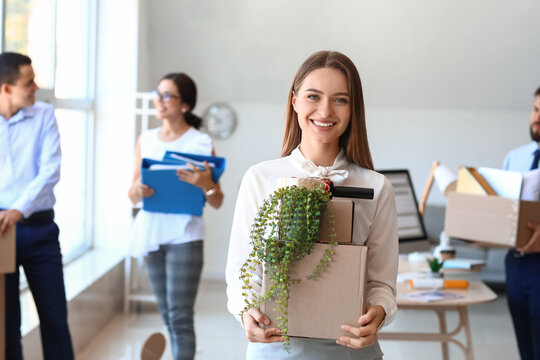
165	97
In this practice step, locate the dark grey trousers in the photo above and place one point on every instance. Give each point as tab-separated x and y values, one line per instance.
174	272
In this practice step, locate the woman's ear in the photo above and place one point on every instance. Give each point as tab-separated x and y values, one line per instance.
293	102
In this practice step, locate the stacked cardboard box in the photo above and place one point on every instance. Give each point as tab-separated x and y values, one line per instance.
7	265
317	308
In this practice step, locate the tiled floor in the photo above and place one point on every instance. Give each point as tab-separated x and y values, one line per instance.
219	336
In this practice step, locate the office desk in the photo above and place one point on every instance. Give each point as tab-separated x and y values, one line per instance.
477	293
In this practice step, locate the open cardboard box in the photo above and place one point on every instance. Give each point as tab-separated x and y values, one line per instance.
490	220
317	308
7	265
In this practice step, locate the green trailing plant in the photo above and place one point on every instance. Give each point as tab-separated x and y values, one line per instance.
283	232
435	265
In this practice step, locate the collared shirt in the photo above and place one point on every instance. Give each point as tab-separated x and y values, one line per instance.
29	159
375	224
521	158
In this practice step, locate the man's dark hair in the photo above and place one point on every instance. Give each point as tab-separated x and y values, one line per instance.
9	66
537	93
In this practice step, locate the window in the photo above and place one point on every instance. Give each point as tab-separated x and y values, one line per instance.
59	36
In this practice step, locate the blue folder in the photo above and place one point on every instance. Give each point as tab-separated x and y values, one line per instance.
171	195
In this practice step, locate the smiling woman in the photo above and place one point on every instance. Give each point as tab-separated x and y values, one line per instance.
172	244
324	111
325	135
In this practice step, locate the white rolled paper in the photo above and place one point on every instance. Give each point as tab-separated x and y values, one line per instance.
445	179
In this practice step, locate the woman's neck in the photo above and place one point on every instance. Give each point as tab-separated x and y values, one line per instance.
173	129
320	154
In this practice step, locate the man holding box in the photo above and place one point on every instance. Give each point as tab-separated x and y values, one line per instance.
30	168
523	264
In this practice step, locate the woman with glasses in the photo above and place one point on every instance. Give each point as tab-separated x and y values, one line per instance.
325	135
172	244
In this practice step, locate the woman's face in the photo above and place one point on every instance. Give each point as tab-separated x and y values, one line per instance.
167	102
323	106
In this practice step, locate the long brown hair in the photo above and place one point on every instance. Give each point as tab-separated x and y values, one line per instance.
354	141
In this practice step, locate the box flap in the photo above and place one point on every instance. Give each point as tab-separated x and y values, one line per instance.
7	251
314	309
343	214
488	219
529	211
471	182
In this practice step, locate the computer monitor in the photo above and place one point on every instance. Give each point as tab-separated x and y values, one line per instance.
411	230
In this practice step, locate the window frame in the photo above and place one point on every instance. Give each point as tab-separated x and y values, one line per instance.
82	104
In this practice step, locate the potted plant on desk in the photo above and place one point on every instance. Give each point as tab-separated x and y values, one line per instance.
435	266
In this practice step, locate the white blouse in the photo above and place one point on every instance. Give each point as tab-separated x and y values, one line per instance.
152	229
375	224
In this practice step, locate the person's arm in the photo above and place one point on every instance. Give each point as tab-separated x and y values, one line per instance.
138	190
250	194
203	180
381	274
49	167
533	245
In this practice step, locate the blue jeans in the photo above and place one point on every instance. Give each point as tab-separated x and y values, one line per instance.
523	290
174	272
38	252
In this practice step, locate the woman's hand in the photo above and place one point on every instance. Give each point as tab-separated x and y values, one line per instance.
533	245
201	179
254	333
366	334
140	190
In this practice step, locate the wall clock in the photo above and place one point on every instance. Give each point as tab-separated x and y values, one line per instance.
219	120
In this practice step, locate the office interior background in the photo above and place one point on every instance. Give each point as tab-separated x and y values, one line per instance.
448	81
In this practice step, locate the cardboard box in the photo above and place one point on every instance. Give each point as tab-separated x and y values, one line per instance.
317	308
343	211
7	252
7	265
492	220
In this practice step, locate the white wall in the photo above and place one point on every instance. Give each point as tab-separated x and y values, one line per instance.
443	80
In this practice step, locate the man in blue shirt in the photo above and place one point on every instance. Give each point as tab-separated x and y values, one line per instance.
523	265
29	169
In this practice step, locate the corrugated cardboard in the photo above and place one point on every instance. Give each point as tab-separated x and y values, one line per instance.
490	219
7	251
317	308
343	211
7	265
